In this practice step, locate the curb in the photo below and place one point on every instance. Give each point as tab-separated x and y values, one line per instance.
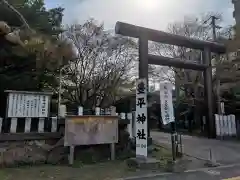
162	146
144	176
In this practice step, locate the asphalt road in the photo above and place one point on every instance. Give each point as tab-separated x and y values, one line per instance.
230	172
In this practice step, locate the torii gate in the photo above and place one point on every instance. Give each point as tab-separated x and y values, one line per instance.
145	34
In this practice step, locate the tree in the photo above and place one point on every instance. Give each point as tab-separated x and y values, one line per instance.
101	70
20	13
229	68
34	65
191	27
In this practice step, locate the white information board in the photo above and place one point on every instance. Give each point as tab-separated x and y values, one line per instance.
141	118
27	104
166	103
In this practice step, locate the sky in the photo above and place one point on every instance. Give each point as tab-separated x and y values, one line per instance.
156	14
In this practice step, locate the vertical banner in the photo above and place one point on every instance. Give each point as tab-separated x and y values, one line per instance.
166	103
141	118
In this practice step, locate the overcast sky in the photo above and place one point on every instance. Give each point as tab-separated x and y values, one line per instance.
149	13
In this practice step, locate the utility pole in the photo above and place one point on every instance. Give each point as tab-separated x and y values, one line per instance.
214	27
214	34
59	91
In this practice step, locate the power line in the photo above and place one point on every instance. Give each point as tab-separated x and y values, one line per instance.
214	26
207	20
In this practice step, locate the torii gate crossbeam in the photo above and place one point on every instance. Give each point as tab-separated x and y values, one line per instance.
145	34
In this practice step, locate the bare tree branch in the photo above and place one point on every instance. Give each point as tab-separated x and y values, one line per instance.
24	21
102	65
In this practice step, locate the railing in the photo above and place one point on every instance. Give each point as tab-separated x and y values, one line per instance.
20	129
15	129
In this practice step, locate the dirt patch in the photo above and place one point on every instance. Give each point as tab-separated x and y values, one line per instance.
101	171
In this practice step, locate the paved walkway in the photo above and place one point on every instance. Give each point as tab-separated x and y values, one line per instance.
224	152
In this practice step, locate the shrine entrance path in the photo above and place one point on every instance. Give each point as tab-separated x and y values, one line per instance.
223	151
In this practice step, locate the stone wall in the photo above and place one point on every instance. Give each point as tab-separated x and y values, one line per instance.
30	152
53	152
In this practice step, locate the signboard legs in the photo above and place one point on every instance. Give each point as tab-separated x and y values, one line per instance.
13	128
71	155
112	145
